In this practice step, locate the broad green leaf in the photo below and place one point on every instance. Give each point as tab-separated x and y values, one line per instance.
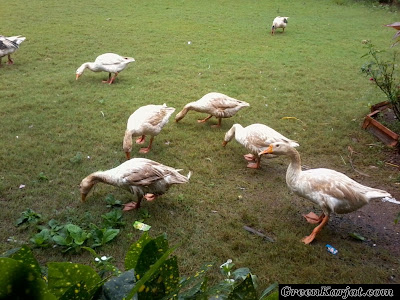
169	273
60	240
141	284
21	281
73	229
77	233
109	235
63	275
268	290
240	273
76	292
244	291
135	250
24	255
42	238
192	285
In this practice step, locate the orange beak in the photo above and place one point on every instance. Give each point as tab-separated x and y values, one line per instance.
83	197
77	76
128	155
269	150
224	143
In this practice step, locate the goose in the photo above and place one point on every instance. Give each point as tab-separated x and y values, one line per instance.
215	104
255	138
142	177
146	120
279	22
108	62
333	191
9	45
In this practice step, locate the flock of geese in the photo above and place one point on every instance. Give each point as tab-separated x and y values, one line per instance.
334	192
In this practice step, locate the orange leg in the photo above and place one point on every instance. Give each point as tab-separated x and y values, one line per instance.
249	157
313	218
109	78
112	79
147	149
219	123
141	139
132	205
311	237
204	120
255	165
150	197
10	61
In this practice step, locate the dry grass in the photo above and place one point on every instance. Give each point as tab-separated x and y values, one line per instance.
311	72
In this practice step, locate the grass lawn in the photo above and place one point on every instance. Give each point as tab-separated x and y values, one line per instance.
183	50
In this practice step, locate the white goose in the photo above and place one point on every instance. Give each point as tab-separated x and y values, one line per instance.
334	192
8	45
215	104
142	177
108	62
146	120
255	138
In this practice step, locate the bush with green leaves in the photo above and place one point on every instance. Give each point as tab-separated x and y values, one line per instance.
383	72
150	274
28	217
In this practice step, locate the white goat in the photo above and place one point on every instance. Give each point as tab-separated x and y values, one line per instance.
279	22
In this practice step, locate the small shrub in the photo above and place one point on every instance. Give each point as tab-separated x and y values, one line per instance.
28	217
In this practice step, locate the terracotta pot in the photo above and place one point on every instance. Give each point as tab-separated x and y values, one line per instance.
383	133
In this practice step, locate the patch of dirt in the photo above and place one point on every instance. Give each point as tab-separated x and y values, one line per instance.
375	221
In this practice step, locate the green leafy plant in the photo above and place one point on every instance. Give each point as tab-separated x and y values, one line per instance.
28	216
71	237
112	202
151	274
102	236
53	226
113	219
383	72
42	239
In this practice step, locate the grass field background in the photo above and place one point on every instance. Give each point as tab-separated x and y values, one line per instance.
310	72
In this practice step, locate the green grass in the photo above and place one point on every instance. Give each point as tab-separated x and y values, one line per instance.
311	72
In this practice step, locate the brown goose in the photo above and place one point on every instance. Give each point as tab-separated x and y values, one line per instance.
142	177
216	105
334	192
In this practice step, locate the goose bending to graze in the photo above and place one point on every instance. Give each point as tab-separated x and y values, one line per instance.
255	138
215	104
279	22
108	62
142	177
334	192
146	120
8	45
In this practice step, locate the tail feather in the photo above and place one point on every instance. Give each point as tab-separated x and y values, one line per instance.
390	199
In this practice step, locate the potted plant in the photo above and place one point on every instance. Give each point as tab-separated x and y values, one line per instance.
383	72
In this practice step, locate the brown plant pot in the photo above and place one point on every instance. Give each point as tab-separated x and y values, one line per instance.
383	133
381	106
